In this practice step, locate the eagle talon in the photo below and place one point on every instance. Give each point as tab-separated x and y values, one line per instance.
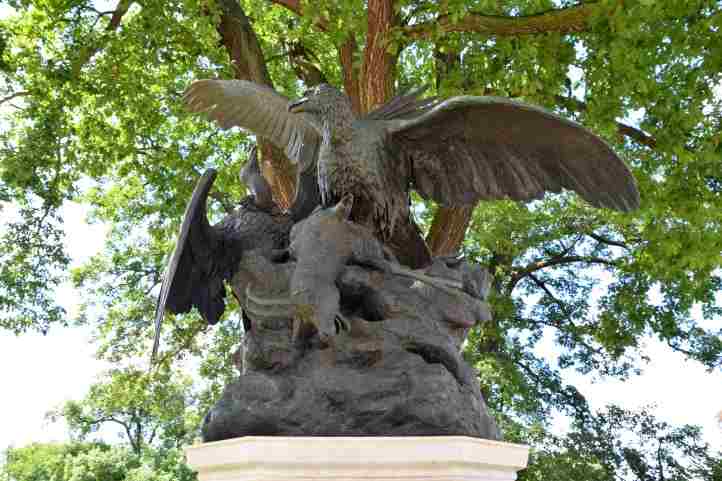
342	323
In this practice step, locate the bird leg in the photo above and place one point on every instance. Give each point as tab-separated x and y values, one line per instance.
449	286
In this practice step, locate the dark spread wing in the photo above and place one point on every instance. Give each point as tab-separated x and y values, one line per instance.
189	278
264	112
467	149
403	105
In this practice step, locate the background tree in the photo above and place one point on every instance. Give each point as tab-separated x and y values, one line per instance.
620	445
154	413
92	112
156	409
91	462
40	462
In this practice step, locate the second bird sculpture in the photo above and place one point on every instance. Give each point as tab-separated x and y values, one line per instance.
206	256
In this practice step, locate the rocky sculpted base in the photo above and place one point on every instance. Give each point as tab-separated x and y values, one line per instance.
343	341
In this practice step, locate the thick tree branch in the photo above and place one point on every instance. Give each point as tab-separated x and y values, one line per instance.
120	10
292	5
565	20
246	56
110	419
565	310
305	64
346	53
242	45
295	7
636	135
606	240
151	438
549	293
448	230
556	388
87	51
128	433
556	261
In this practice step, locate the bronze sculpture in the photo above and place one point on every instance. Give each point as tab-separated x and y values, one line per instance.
205	256
456	152
346	271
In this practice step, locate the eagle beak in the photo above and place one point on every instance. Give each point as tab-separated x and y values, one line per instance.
297	106
344	207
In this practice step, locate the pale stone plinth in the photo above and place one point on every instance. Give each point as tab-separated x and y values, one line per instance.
446	458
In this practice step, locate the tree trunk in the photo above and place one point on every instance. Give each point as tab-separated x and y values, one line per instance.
350	72
448	230
378	67
246	56
373	87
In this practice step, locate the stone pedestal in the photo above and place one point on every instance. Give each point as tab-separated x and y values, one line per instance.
447	458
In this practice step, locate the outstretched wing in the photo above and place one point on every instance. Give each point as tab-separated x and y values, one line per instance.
189	278
264	112
467	149
259	109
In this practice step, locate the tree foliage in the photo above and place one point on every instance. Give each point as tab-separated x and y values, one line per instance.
620	445
149	409
91	106
92	462
156	414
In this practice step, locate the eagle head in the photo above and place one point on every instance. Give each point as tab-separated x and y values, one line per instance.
322	101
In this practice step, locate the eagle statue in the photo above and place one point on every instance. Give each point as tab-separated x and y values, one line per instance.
456	152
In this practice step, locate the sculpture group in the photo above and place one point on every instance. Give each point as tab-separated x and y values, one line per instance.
341	292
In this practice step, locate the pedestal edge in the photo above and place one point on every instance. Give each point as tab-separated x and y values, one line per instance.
344	453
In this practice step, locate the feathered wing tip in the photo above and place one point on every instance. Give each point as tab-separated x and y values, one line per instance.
195	209
467	149
404	105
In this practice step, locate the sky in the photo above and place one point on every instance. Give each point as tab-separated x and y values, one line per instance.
41	372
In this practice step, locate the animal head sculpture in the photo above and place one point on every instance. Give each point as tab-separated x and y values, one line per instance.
252	176
344	206
321	102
